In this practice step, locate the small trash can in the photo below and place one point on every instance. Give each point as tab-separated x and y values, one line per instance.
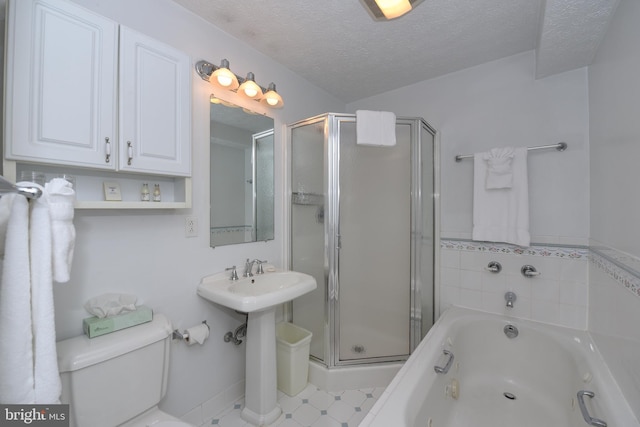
292	347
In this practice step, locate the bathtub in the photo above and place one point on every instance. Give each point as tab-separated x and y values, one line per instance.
530	380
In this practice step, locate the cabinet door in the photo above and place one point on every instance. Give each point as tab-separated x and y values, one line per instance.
61	91
155	106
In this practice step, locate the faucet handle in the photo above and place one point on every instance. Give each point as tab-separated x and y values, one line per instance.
529	271
259	270
234	273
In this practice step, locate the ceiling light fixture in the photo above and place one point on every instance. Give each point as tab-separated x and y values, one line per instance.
383	10
222	77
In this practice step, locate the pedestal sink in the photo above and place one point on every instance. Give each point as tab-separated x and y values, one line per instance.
258	296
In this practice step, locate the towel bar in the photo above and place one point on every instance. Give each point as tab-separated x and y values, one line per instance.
560	146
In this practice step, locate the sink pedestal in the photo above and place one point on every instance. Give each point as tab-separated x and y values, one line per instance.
261	383
258	296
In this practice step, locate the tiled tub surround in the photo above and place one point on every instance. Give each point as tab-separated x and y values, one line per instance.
558	295
614	316
593	288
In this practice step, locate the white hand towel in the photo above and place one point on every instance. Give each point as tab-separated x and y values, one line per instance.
45	360
16	350
499	168
502	215
375	128
61	198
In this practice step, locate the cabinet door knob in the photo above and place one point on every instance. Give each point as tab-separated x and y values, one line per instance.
130	152
107	150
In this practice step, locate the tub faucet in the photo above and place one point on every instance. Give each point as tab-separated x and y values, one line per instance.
510	297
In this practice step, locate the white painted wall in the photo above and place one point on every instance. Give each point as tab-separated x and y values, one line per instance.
501	104
146	253
614	105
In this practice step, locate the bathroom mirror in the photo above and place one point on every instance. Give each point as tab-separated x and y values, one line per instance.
241	179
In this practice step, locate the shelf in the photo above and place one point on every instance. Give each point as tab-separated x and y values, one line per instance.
131	205
176	191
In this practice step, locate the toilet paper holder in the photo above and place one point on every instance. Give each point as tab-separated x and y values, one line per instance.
184	335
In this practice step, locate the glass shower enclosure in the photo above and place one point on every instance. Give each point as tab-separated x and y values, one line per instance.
362	223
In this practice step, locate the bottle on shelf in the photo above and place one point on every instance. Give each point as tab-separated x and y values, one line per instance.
156	193
145	196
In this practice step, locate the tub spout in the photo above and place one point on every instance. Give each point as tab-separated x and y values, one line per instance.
510	297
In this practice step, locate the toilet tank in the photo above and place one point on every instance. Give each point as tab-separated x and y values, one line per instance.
110	379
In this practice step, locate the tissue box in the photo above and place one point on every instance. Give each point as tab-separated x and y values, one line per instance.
95	326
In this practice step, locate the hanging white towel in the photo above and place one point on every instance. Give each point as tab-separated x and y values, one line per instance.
61	197
502	215
16	346
375	128
45	368
499	168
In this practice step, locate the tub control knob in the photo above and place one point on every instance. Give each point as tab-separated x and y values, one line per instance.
494	267
529	271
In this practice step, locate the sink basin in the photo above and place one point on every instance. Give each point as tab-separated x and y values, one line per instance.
256	293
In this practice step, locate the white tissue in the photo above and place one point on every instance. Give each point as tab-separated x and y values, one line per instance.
110	304
197	334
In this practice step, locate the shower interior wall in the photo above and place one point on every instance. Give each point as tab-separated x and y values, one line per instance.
360	226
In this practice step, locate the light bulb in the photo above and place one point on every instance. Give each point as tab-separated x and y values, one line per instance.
224	80
250	91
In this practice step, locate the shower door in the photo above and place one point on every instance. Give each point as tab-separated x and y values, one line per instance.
362	225
374	248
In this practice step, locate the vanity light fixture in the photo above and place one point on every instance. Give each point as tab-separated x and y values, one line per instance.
272	98
222	77
250	88
382	10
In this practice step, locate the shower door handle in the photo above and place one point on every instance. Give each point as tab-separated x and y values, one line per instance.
338	242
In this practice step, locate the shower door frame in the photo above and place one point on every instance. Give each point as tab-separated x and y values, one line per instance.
331	169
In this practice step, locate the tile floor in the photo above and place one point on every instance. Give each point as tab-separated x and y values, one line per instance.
312	407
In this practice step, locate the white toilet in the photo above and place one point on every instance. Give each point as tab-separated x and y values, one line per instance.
118	379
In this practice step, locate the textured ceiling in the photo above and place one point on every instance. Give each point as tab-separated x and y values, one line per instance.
335	44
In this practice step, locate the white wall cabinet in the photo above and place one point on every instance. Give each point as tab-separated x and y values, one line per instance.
85	92
61	85
155	105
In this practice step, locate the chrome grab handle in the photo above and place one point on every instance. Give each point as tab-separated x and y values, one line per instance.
107	150
585	414
129	152
445	369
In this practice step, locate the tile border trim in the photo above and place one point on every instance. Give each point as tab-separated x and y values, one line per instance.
621	267
544	250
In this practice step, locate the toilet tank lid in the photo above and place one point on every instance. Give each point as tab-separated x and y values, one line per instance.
80	352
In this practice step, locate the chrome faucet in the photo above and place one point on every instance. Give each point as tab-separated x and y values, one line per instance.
510	297
248	266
